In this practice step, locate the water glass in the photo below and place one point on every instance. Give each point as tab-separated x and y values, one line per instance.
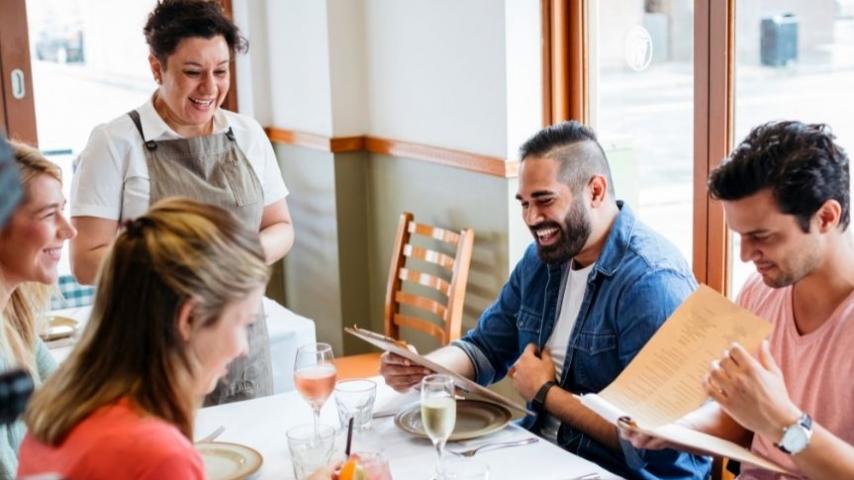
355	399
465	469
309	450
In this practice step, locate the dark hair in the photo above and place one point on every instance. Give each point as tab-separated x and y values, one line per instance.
174	20
799	162
578	167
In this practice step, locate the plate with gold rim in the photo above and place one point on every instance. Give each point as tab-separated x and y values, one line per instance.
475	418
228	461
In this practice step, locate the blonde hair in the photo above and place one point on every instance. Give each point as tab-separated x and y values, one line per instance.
179	250
19	333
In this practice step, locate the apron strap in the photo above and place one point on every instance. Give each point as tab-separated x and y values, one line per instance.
149	144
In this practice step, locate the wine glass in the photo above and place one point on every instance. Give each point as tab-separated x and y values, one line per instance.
438	413
314	375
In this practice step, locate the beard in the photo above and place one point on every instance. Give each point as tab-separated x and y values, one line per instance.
793	270
573	234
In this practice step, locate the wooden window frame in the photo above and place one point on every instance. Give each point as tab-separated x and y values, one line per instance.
566	96
17	116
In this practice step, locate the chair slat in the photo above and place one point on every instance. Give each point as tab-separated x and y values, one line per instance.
423	303
434	232
432	256
424	279
420	325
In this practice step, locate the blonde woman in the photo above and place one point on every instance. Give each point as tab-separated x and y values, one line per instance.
30	246
176	295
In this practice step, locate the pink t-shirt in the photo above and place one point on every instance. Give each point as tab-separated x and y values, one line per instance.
817	367
116	442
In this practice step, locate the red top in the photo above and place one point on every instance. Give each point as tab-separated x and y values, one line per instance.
117	441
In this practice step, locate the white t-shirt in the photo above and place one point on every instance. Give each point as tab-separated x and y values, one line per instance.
573	295
111	176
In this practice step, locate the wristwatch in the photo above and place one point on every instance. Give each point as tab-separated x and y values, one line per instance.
539	400
796	436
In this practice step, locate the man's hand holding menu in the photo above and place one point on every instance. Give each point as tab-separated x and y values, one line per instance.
665	381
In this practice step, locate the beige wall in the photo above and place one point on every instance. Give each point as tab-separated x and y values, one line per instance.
406	70
312	286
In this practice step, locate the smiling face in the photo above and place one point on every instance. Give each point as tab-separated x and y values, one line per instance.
215	346
558	220
31	244
193	84
782	253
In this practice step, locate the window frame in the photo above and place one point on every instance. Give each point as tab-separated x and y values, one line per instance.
566	52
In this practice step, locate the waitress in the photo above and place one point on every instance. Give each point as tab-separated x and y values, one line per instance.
180	142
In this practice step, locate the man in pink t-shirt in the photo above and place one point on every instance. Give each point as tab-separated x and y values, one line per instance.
785	191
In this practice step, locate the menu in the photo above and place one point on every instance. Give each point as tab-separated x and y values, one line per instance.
664	382
399	348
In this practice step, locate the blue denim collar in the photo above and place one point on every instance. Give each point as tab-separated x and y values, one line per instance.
618	241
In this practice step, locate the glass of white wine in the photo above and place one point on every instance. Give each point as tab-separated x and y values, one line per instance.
438	413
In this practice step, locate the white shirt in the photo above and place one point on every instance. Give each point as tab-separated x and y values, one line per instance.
111	175
573	295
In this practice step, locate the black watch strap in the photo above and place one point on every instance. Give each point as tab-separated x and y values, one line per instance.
539	400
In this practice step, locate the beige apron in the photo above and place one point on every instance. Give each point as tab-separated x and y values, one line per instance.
213	169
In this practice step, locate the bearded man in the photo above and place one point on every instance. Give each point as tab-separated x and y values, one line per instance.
587	295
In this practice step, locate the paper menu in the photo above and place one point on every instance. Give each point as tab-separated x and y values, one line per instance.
399	348
665	380
685	436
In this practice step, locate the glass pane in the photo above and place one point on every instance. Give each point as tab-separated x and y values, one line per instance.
90	65
642	102
794	60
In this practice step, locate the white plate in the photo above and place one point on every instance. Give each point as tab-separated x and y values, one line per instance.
59	327
229	461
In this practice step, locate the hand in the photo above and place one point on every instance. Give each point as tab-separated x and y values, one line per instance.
639	439
530	371
329	472
399	373
643	441
752	391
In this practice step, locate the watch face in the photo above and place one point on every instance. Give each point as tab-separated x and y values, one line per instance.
795	439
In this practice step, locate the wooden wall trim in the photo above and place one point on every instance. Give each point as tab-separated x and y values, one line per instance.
315	141
472	162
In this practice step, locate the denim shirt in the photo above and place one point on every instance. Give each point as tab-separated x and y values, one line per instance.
636	283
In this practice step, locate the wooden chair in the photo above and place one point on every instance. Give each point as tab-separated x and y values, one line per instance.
446	274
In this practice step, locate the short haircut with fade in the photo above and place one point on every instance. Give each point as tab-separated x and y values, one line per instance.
577	166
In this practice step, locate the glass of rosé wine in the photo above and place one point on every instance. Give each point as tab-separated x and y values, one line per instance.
314	375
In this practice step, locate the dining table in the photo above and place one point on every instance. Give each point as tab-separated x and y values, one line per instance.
261	424
287	331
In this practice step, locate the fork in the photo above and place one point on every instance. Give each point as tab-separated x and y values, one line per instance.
494	446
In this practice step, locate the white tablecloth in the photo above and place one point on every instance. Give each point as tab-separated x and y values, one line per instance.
262	423
287	332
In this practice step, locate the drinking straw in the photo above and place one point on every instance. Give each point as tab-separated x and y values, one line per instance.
349	437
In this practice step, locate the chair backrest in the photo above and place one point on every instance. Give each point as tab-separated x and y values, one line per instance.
447	274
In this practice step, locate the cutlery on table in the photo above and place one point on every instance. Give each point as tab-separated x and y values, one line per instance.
212	436
494	446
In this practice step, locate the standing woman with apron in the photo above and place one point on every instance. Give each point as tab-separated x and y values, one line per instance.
181	143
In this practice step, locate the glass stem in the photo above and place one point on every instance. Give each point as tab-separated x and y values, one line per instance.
316	420
440	467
